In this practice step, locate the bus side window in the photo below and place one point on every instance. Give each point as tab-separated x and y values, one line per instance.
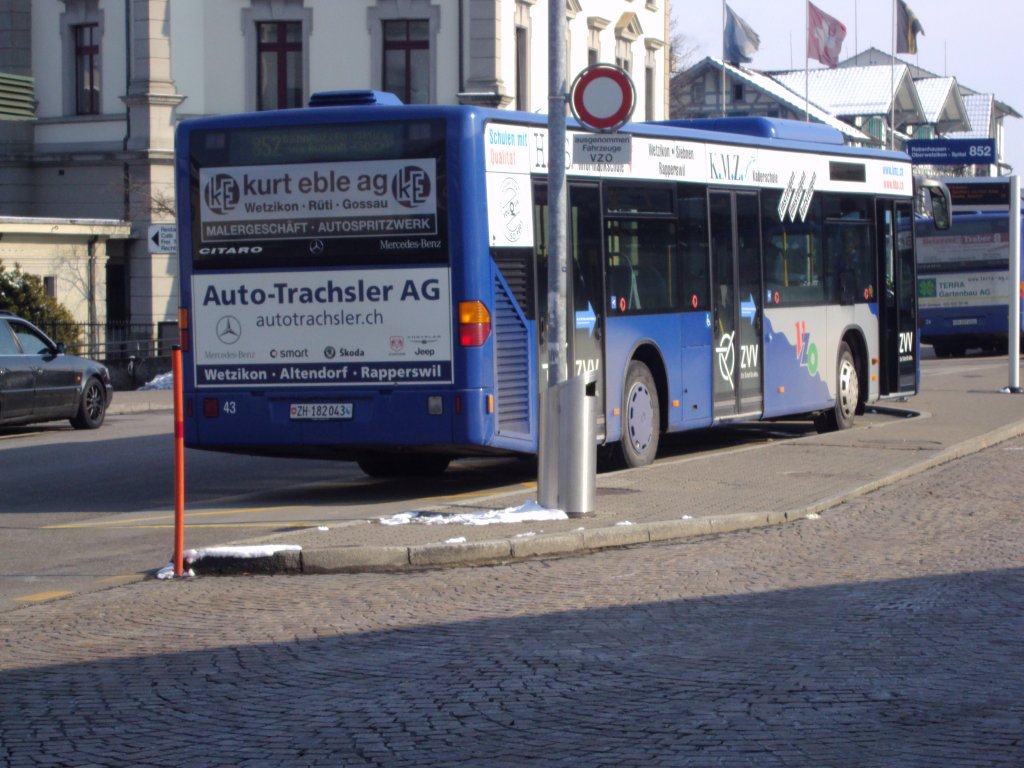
692	252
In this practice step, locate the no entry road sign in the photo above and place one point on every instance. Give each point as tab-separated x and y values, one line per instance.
602	97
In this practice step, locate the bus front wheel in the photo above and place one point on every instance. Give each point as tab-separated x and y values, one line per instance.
840	416
641	417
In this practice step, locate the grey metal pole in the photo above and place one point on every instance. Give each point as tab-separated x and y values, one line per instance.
547	473
1013	332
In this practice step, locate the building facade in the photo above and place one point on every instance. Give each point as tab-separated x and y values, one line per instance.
112	79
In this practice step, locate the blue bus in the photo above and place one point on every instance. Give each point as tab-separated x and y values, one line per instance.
963	283
368	280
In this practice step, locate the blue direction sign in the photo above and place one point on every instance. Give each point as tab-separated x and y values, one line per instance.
952	151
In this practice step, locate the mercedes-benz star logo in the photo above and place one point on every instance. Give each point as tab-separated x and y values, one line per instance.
316	247
229	329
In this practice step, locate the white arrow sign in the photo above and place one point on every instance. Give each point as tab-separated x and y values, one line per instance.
163	238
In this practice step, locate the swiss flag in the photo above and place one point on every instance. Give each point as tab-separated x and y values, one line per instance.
825	36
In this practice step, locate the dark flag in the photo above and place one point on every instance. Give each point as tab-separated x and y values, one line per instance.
907	29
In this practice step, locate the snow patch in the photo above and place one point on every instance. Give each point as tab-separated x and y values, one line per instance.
529	512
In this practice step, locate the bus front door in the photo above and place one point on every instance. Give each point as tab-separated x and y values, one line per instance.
585	312
736	290
586	289
897	302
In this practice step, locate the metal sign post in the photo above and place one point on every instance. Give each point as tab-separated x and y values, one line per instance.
1013	331
558	285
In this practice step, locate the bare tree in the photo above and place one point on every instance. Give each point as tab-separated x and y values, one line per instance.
682	54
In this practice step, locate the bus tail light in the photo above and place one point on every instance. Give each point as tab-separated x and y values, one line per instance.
211	407
474	323
183	328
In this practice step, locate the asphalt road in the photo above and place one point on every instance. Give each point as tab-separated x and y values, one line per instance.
87	510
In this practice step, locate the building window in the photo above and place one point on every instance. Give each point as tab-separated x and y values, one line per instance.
522	27
522	68
87	69
623	57
277	48
595	25
407	60
648	93
279	64
50	286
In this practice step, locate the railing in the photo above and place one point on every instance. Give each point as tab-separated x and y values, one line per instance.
114	341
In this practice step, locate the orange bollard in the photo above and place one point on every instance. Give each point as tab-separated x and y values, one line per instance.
179	465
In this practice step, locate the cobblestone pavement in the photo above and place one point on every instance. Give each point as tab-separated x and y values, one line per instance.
887	632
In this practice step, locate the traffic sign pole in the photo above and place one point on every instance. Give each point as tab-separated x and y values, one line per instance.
558	285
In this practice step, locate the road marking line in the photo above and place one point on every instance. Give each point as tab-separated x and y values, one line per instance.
41	596
154	518
123	579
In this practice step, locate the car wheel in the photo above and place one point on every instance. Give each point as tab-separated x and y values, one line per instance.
847	394
92	408
641	417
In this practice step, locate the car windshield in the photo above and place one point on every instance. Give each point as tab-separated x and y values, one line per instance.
31	342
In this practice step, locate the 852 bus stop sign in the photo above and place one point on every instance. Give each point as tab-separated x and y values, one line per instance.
602	97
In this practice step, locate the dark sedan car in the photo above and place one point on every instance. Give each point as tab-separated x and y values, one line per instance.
39	382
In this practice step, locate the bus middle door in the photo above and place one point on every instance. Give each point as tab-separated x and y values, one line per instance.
737	368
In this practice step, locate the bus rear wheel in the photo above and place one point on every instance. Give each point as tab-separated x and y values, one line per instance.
641	417
841	415
403	464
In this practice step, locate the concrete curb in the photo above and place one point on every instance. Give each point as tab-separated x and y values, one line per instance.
364	559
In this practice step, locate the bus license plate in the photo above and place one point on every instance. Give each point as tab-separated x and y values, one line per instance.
320	411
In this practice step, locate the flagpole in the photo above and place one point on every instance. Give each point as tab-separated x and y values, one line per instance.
807	76
856	42
892	83
722	89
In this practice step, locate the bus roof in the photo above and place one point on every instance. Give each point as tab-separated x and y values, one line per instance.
776	133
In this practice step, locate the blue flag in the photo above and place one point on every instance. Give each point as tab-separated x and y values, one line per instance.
740	41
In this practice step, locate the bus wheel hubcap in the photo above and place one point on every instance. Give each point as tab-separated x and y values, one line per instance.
640	419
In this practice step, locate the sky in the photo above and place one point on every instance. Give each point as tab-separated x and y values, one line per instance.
975	42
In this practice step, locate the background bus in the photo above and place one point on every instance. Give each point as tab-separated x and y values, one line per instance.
964	283
368	280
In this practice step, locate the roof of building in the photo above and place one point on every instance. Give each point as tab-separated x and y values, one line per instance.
943	105
790	98
980	111
860	91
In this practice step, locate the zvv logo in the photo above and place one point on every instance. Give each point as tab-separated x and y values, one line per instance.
411	186
906	342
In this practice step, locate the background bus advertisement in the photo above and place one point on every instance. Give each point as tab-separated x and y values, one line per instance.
963	289
329	327
382	198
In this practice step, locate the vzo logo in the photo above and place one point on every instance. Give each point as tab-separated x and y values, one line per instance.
806	352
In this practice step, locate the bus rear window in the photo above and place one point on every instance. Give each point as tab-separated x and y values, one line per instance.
341	194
